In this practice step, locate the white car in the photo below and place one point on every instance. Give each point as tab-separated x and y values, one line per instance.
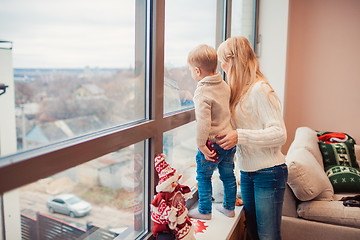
69	204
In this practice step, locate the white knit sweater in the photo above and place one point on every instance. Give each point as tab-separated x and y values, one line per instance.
261	130
212	113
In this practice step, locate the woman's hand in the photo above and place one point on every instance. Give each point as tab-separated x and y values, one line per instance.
209	155
227	140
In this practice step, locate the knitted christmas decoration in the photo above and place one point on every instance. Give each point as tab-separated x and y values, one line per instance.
169	213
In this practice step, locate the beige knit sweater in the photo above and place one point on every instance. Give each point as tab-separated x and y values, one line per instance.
261	131
211	100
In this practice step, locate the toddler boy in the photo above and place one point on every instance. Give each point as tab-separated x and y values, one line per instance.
212	112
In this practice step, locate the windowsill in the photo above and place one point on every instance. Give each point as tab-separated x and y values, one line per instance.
219	227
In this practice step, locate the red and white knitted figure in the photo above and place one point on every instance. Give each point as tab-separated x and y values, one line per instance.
169	213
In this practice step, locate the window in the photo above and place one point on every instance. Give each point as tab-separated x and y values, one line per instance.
106	193
185	27
76	67
180	149
59	201
95	90
243	19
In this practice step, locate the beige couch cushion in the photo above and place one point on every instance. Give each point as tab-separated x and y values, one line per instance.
306	138
307	178
330	212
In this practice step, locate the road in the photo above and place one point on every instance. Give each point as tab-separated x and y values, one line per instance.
100	216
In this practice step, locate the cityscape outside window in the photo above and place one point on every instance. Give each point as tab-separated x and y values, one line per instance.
113	185
72	74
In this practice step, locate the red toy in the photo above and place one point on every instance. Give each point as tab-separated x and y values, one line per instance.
169	213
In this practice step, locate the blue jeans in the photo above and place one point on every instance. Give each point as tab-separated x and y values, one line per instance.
205	170
262	192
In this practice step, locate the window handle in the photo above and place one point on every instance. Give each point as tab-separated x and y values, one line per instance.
3	88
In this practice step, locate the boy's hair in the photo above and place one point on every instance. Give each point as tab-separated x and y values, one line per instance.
203	57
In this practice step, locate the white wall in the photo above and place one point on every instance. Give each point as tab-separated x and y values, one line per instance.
273	23
8	144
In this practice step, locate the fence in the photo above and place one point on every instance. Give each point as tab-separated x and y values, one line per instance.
48	228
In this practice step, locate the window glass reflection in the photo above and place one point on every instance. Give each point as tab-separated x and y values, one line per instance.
186	26
104	196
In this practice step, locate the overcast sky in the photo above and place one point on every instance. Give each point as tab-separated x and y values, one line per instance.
79	33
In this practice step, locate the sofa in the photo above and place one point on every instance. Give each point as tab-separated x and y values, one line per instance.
311	209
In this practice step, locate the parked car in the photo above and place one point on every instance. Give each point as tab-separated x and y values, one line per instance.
69	204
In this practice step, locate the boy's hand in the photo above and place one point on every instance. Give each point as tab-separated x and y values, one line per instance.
209	155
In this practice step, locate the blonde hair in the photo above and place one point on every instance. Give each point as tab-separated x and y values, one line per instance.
203	57
243	68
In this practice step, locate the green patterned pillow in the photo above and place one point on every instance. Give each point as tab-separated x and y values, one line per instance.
340	164
344	178
340	154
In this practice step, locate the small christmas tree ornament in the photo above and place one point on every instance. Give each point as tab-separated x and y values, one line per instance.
169	213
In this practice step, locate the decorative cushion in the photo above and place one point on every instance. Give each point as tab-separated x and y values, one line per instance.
340	164
340	154
344	178
307	178
330	212
307	138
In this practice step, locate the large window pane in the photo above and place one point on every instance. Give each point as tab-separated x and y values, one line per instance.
243	19
78	66
180	149
103	197
187	24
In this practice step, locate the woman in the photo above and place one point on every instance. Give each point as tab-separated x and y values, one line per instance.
259	134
